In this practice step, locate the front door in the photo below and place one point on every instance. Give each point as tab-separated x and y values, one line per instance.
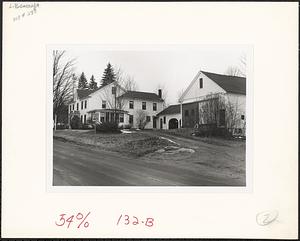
154	122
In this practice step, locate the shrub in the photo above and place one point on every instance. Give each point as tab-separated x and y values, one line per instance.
108	127
75	122
61	126
206	130
126	126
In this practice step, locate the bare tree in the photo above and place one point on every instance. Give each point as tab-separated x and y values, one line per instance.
112	96
141	119
121	85
219	110
210	108
63	81
239	70
126	81
234	71
179	94
243	64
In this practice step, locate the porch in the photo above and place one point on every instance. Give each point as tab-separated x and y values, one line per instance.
109	115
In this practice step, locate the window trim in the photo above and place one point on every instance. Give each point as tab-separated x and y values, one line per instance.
144	105
121	118
131	102
155	104
201	83
103	104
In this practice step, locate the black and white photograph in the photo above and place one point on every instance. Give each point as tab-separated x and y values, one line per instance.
149	118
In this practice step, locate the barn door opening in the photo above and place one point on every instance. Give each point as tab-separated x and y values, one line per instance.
173	123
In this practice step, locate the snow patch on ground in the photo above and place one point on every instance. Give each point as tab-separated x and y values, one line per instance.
174	149
168	140
127	131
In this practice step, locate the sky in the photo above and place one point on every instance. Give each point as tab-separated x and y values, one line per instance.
172	69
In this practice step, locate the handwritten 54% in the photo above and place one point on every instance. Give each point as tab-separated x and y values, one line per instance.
80	218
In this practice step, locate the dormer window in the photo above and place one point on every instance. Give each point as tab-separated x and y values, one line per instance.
201	83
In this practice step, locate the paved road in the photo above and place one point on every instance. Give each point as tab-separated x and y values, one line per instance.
80	166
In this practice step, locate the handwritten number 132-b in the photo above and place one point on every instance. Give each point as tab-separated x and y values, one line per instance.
126	220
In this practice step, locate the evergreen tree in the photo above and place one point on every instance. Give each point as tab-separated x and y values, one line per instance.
93	84
82	82
108	75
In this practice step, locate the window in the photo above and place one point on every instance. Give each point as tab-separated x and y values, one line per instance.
84	119
201	83
81	118
85	104
143	105
121	117
70	108
148	118
130	119
154	106
81	104
102	116
186	113
164	120
73	106
113	90
131	104
243	117
103	104
192	112
77	106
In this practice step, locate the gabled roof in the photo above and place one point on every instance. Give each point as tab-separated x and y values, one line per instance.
83	93
171	109
231	84
141	96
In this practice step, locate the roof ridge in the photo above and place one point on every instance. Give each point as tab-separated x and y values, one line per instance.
223	74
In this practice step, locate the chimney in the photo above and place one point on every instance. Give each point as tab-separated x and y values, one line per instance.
159	93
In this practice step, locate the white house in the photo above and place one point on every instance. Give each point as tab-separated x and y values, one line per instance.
138	104
206	87
113	103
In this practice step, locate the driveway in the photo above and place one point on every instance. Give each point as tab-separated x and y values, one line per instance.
78	165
